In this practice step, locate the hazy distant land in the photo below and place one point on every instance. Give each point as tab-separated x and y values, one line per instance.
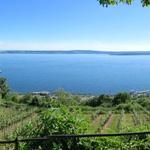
74	52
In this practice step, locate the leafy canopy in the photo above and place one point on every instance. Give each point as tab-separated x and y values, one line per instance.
106	3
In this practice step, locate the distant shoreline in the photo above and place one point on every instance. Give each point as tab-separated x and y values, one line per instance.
74	52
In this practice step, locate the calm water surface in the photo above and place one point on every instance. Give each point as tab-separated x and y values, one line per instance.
78	73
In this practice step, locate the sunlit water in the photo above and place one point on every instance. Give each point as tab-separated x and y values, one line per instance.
77	73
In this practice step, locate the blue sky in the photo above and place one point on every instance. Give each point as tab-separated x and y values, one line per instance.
73	24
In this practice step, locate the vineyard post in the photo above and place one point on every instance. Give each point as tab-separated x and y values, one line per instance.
16	144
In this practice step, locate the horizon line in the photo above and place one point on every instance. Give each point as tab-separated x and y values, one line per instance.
67	50
74	52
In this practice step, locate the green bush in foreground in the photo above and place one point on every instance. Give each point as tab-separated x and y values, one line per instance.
54	121
69	121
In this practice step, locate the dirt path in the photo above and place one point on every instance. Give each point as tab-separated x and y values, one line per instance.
107	124
95	121
14	126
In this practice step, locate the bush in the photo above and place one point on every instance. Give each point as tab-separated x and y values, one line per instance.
145	103
129	107
27	98
54	121
97	101
120	98
35	101
4	89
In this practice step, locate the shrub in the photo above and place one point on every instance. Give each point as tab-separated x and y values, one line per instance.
120	98
27	98
54	121
97	101
4	89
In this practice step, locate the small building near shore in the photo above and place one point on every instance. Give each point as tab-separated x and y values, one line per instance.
42	93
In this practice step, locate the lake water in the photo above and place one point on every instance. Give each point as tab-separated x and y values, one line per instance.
77	73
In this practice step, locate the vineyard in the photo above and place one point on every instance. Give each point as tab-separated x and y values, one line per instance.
14	116
18	122
118	122
24	116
